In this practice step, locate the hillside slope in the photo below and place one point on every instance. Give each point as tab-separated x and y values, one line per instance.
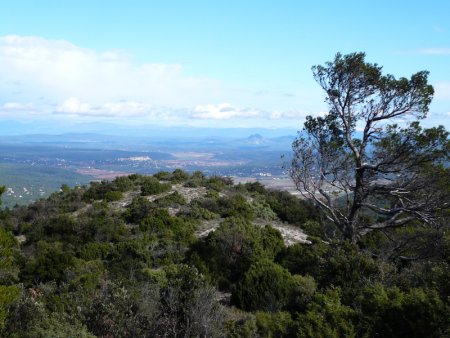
184	255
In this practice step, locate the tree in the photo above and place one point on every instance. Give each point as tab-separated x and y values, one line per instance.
364	171
2	190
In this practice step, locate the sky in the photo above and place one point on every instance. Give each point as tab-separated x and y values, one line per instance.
217	64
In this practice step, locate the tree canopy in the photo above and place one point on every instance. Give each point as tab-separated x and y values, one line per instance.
361	163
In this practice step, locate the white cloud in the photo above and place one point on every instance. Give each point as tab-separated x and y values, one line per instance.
57	69
16	106
223	111
435	51
74	106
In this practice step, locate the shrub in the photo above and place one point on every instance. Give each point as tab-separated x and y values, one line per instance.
304	258
138	209
229	251
389	312
50	264
235	206
266	286
151	186
8	295
162	176
326	317
124	183
170	200
179	176
217	183
277	324
112	196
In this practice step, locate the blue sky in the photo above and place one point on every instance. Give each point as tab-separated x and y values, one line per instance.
205	63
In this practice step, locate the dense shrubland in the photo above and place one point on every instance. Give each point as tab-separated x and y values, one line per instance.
122	258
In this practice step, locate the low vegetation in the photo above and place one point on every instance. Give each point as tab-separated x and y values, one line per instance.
121	259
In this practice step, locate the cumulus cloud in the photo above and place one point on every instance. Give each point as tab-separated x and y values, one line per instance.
16	106
73	106
223	111
57	70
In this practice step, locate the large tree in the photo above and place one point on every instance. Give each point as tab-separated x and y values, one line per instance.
364	171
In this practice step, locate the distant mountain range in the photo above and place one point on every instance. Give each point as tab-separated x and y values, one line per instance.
13	128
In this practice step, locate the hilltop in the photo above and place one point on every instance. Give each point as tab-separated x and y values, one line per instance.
178	254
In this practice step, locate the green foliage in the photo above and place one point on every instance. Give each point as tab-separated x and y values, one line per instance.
289	208
162	176
161	224
326	317
347	267
229	251
8	295
263	211
179	176
56	326
235	206
124	183
245	327
382	160
278	324
112	196
305	259
196	211
9	252
95	250
138	209
217	183
50	264
389	312
99	190
151	186
170	200
101	269
265	286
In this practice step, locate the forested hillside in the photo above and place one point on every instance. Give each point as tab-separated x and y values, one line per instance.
184	255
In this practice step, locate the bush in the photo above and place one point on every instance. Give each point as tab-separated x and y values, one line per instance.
166	227
151	186
162	176
8	295
9	252
98	190
236	206
266	286
112	196
229	251
124	183
50	264
278	324
170	200
217	183
326	317
289	208
304	259
179	176
138	209
196	211
389	312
